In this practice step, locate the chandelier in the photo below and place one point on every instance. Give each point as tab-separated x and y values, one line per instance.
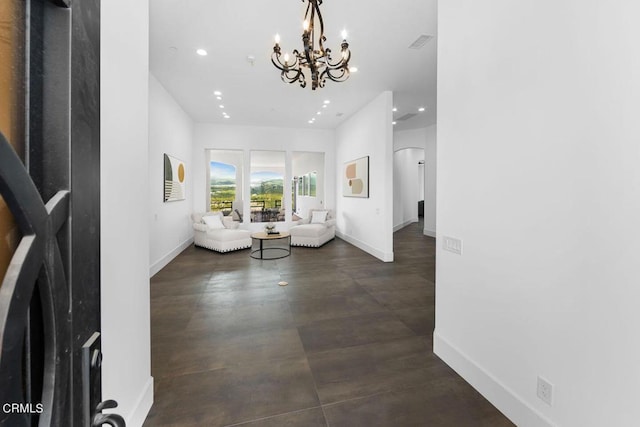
314	56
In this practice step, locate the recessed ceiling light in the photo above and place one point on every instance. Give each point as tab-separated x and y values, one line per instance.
221	106
310	122
217	93
353	69
201	52
324	106
421	109
393	123
319	112
327	102
394	109
227	117
219	98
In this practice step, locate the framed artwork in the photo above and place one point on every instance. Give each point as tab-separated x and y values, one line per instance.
355	178
174	179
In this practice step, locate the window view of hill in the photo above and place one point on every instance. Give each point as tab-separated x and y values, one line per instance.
269	190
222	186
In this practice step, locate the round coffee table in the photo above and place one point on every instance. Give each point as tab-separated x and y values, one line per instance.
275	250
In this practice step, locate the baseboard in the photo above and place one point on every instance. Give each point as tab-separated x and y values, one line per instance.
383	256
511	405
159	265
404	224
142	407
429	233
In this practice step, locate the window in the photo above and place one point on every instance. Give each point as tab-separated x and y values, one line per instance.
308	190
225	181
267	186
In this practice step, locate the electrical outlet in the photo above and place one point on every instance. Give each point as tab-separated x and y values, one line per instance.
451	244
545	391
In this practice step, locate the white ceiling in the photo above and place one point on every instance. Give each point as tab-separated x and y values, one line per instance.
231	30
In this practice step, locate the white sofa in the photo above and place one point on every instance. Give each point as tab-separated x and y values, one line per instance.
226	239
312	232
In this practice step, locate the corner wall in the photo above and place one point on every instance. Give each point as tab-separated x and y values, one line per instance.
170	132
368	223
538	175
124	176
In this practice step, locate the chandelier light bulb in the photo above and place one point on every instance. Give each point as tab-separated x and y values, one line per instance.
286	58
277	38
305	25
344	34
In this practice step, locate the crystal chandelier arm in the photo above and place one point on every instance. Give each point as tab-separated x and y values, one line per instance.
345	57
336	75
292	76
275	59
316	11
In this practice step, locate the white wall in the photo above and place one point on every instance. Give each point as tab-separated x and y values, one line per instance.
423	138
538	174
430	182
247	138
368	133
124	246
406	186
170	132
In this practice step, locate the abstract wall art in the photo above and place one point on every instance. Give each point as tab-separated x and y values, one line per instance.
174	179
355	182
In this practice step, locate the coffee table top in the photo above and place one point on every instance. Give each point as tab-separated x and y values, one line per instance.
264	236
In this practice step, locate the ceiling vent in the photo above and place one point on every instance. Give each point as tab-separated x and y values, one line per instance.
405	117
420	42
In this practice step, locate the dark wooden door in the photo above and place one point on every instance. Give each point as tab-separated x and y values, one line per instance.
49	214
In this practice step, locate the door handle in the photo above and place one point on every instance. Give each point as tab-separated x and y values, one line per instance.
114	420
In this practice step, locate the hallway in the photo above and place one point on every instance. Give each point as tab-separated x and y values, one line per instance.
347	343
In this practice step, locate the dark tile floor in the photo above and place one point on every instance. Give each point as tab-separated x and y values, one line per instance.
347	343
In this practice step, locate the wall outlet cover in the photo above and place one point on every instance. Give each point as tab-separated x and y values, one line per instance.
451	244
545	391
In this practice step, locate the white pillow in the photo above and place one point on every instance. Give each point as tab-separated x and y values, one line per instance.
213	222
318	217
229	223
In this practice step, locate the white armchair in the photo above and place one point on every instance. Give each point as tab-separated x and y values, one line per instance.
315	230
219	233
